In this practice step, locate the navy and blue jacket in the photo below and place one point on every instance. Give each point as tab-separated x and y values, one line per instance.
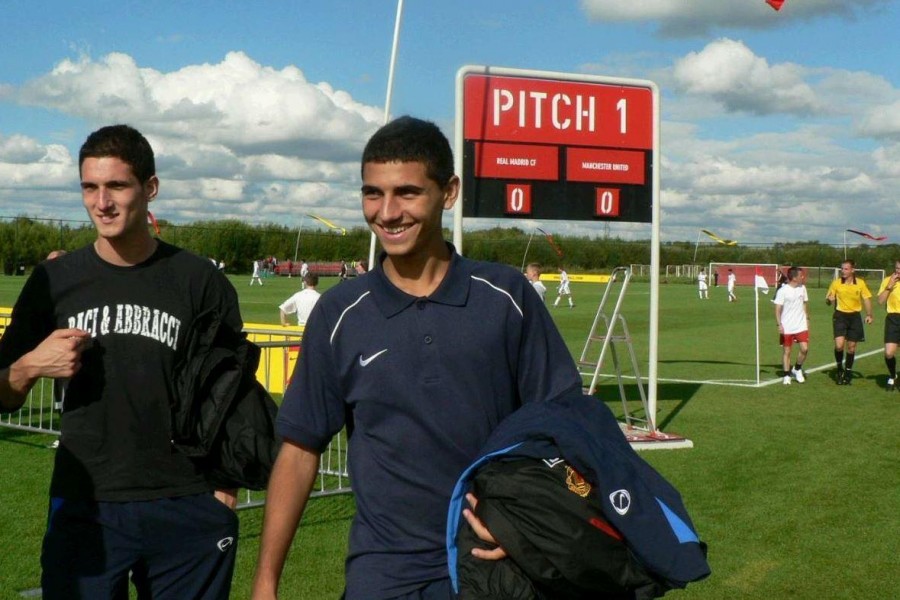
645	508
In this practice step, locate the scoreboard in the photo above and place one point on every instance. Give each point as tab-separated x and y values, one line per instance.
547	146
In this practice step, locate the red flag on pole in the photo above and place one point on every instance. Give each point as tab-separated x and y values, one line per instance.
759	282
550	241
151	220
776	4
869	236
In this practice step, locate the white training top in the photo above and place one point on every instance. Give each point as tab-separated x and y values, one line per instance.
793	311
563	283
301	303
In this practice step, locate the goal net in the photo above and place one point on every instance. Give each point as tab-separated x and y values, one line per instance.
745	273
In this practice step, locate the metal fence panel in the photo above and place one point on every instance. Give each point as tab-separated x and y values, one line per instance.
41	411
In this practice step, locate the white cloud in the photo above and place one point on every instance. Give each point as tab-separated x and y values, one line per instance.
887	161
882	122
685	18
225	135
729	72
237	103
26	164
21	149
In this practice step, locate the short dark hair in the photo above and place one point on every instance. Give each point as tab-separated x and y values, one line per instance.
408	139
793	273
123	142
311	279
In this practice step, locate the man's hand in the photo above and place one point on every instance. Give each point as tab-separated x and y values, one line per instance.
59	355
482	532
227	497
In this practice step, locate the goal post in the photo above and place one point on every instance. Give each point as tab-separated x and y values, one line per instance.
746	274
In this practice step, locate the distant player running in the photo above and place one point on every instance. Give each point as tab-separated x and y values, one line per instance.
703	285
849	295
732	281
563	289
255	276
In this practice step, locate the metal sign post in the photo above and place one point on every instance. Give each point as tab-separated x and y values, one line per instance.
564	146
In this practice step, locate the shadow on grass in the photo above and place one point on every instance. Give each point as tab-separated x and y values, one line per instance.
666	392
707	362
679	392
26	438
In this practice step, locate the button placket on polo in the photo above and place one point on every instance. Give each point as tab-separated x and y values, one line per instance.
428	346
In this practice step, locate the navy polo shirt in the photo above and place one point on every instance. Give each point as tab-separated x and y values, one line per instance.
420	384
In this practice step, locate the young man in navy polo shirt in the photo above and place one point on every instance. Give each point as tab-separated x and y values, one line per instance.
420	359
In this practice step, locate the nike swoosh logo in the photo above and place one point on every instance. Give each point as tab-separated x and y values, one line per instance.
363	362
225	543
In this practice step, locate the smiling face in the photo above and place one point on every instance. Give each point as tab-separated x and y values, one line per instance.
116	201
403	207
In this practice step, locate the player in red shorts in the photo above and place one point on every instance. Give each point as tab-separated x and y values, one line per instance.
792	318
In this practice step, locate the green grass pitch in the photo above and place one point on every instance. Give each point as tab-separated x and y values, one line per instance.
796	489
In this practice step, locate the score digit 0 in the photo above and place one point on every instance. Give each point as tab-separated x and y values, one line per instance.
607	204
518	199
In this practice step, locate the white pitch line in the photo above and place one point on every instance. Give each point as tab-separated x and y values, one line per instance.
824	367
742	382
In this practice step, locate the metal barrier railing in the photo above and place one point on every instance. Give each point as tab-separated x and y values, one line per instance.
41	413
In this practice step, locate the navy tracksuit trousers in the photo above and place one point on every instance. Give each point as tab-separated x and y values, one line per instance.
174	548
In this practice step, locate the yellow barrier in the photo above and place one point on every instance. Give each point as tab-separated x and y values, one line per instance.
281	343
588	278
277	362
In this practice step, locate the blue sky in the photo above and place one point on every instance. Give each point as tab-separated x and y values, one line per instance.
776	126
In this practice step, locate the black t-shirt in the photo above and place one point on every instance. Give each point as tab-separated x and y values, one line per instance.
116	443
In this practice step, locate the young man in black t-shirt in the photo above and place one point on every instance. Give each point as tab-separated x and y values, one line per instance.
110	320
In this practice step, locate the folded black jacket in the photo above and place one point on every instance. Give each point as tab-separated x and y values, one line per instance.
547	518
660	548
222	417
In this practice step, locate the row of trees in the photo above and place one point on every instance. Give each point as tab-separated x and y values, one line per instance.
26	241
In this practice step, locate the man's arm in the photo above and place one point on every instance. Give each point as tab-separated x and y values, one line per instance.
778	310
292	479
867	303
887	288
829	296
58	356
283	316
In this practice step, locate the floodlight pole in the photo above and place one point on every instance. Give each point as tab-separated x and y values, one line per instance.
297	244
696	246
387	104
845	244
527	246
